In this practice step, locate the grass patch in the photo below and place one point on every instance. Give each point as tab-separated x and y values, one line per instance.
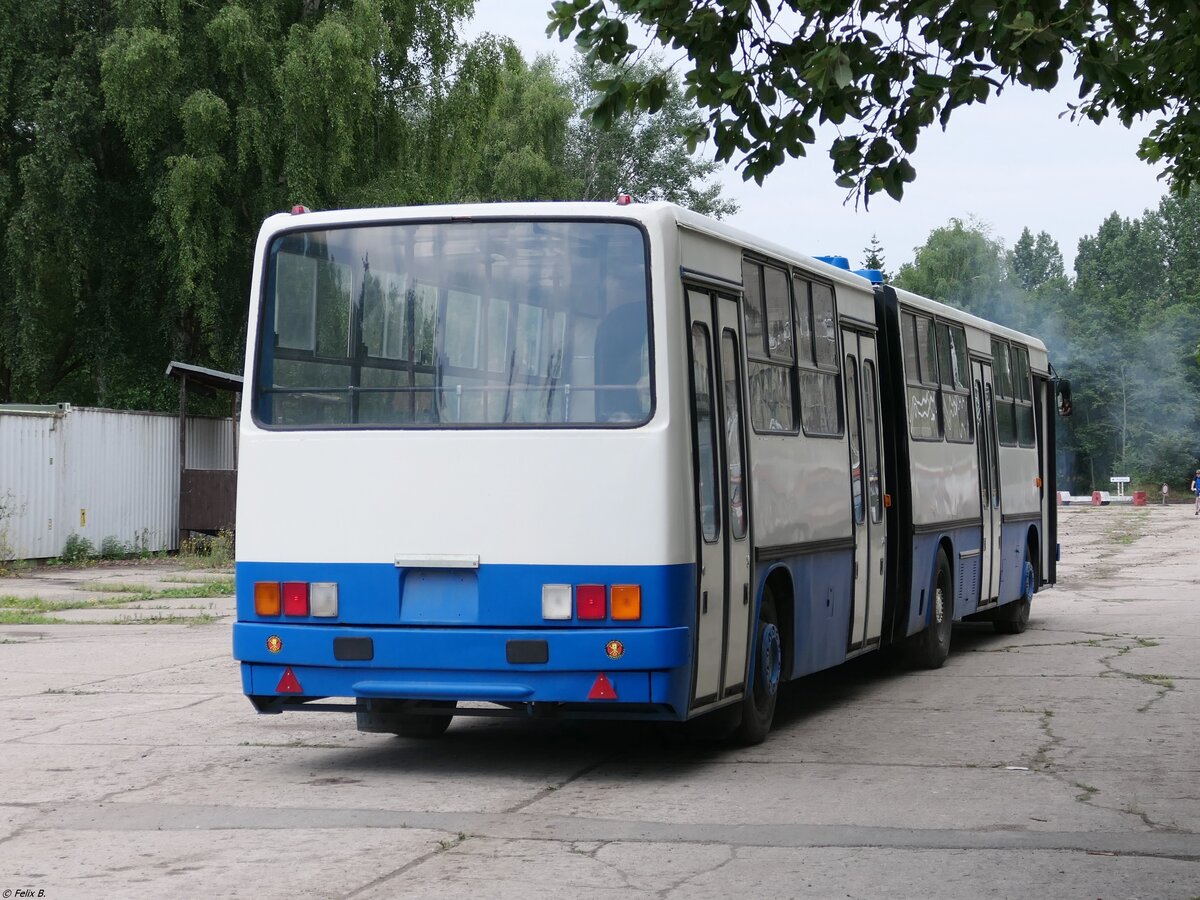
108	587
37	611
208	552
202	590
164	619
1163	681
27	617
37	604
1129	527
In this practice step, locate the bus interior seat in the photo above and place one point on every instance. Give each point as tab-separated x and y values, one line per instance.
620	340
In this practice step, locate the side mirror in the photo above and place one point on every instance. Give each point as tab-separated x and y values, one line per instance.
1063	389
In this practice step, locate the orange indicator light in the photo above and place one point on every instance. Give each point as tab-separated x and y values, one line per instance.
627	602
266	598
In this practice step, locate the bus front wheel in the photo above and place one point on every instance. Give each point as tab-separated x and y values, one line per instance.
758	704
929	648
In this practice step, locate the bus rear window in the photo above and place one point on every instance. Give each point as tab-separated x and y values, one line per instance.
459	324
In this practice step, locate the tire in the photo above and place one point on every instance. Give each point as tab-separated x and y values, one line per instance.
758	704
423	725
1013	618
929	648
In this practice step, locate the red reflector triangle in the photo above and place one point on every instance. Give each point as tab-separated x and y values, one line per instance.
288	683
602	689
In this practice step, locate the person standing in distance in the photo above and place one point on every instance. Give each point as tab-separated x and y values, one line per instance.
1196	491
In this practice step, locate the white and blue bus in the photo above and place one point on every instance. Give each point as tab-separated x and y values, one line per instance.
613	460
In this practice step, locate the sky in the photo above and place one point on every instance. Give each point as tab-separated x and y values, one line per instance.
1012	163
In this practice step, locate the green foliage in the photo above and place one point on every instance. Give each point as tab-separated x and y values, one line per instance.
643	153
509	130
960	264
765	74
208	551
1126	332
142	144
1036	262
77	549
112	547
873	257
8	509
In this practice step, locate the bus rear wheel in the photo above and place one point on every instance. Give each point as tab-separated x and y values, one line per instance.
758	704
929	648
1013	618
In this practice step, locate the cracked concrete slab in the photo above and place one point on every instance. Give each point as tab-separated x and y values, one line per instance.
1059	762
240	864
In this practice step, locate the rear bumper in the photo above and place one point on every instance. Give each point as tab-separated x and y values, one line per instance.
468	664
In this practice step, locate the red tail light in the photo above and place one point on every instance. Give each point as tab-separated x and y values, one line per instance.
295	598
591	601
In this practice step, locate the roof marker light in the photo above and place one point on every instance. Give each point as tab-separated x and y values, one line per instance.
298	209
838	261
624	199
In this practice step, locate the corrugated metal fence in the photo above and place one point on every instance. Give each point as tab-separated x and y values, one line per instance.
98	473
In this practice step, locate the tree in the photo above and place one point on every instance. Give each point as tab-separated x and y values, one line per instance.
500	132
873	257
963	265
1129	345
1036	262
644	155
766	73
142	143
510	130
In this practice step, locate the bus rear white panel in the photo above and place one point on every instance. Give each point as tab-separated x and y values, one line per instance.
512	498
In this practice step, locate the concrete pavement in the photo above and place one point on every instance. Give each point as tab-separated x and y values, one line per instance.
1058	763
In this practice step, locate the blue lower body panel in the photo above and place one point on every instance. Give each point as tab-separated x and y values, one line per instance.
469	664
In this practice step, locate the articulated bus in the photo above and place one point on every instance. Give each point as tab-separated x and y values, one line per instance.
613	460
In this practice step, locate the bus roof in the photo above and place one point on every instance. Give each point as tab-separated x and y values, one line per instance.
658	212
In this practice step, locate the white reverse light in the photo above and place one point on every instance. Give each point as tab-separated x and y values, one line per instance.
556	601
323	599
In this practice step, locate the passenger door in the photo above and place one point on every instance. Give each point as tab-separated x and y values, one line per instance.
989	480
723	607
867	487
